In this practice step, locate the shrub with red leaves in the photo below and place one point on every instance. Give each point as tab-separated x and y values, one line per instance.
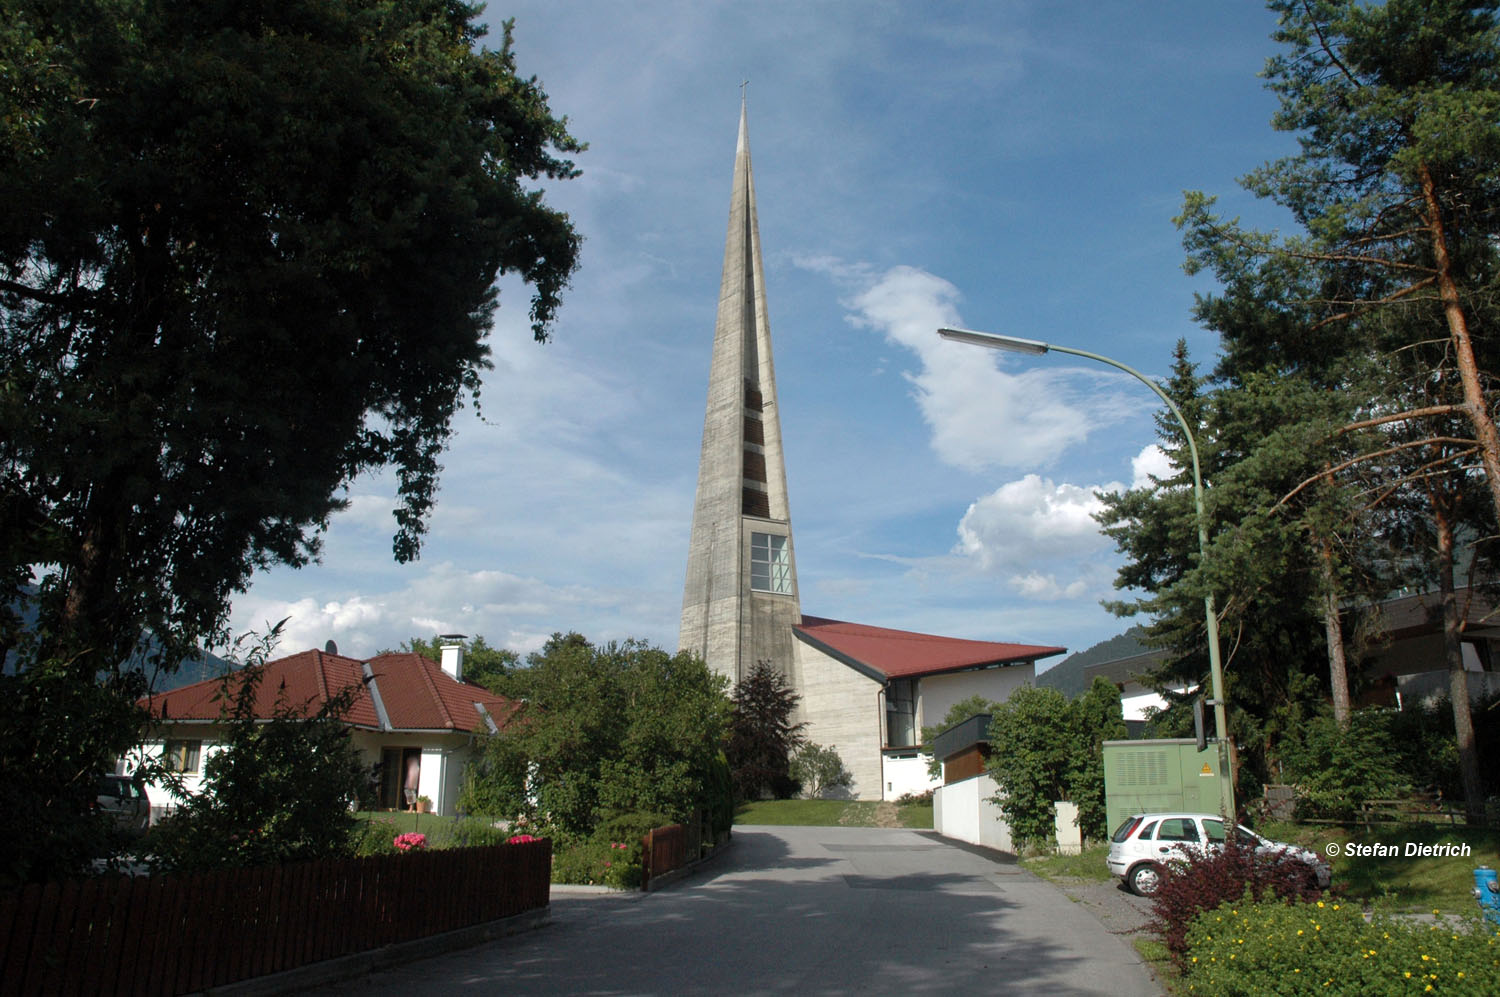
1200	882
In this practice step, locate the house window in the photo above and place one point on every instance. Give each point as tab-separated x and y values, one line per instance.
901	714
770	564
182	756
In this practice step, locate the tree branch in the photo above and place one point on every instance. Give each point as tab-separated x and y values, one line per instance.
1416	413
1331	471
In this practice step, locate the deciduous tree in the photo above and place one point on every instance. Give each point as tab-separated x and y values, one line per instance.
248	252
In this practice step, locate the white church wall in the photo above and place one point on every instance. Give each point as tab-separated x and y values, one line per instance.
937	693
905	773
842	710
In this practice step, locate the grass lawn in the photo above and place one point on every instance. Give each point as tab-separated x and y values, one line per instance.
826	813
438	829
1087	864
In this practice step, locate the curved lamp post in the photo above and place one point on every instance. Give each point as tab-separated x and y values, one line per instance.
1211	620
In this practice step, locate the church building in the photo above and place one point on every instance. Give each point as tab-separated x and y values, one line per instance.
865	691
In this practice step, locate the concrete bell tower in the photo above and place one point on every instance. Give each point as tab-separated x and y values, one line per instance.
740	600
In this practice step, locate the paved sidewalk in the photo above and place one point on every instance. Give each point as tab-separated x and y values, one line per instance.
816	910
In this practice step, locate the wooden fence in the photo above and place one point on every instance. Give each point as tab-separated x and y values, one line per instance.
665	849
182	934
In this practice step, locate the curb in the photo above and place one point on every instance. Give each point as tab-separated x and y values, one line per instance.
359	964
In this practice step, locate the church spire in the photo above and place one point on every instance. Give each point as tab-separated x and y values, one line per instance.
740	598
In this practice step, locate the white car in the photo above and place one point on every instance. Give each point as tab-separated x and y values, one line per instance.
1142	845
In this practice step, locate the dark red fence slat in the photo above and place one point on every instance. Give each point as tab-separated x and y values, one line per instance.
176	934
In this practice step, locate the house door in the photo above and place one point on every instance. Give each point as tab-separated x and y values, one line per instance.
400	770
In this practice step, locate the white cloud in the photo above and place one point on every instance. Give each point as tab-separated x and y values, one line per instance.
1034	585
1032	520
1152	462
979	414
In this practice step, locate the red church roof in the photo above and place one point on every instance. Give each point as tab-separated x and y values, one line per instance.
404	692
893	654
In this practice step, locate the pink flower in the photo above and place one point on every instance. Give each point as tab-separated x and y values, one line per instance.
409	841
520	839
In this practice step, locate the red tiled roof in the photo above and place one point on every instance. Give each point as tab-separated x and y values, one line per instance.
903	654
415	693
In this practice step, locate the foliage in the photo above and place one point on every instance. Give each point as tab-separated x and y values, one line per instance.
1377	301
597	861
62	729
960	711
278	790
613	855
1200	881
375	836
762	736
611	729
1044	748
1244	947
248	253
1032	749
1337	769
1097	717
483	665
819	771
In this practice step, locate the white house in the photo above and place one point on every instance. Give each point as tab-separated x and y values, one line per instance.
868	692
416	724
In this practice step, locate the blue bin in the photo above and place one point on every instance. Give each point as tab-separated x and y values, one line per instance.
1487	890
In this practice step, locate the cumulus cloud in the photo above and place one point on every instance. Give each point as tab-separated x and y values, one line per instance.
508	610
1032	520
1151	463
980	413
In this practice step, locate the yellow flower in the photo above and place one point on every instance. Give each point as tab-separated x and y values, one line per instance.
1320	903
1425	957
1407	974
1299	931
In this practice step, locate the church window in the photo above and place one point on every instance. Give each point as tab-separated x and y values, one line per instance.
770	564
901	713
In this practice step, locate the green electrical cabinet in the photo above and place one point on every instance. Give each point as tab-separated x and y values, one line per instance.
1157	775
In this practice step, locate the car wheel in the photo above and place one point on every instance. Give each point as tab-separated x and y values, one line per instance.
1144	879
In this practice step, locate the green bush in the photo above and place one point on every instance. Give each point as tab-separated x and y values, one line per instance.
474	832
374	837
1337	770
1199	881
1247	948
599	862
820	770
612	856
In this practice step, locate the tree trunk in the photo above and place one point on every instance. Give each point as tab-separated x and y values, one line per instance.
1333	627
1474	405
1458	679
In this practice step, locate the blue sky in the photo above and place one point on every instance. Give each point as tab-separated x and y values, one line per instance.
1008	166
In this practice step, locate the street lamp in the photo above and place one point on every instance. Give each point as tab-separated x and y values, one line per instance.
1211	620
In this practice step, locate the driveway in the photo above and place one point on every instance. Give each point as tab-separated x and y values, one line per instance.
805	910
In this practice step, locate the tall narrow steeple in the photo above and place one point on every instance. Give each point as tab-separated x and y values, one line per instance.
740	600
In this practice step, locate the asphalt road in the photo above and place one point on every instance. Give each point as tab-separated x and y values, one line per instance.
816	911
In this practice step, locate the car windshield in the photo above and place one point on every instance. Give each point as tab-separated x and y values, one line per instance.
1213	828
